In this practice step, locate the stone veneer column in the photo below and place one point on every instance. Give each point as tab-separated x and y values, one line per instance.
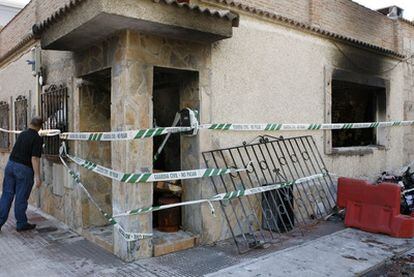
131	109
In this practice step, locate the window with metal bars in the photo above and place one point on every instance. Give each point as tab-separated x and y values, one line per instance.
54	111
4	123
20	113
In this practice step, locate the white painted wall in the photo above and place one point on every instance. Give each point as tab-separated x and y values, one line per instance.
268	73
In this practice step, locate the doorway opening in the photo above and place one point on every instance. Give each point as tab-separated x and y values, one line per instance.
166	103
173	90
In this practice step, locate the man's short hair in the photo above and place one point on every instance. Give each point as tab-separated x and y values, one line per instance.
37	122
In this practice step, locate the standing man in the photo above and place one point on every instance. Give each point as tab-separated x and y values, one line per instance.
22	171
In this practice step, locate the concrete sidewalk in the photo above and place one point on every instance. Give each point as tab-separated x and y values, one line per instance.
345	253
326	249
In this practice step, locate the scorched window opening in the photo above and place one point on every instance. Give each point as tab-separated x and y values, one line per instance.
355	103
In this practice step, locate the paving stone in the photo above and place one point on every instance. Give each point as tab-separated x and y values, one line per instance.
54	250
346	253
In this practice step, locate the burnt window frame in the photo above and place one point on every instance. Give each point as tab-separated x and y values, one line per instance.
382	112
5	112
54	112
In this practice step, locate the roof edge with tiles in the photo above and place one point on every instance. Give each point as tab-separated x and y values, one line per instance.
409	22
40	27
304	26
37	29
220	14
28	37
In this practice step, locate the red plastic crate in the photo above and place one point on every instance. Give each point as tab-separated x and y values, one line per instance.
374	208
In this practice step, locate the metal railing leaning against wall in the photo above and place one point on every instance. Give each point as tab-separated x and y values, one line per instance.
260	219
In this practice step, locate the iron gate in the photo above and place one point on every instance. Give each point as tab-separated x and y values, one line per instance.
4	123
261	219
55	116
20	113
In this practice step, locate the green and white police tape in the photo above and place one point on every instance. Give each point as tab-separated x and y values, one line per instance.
303	127
268	127
223	196
151	177
128	236
123	135
43	133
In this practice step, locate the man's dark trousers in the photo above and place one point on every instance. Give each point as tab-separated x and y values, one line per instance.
18	181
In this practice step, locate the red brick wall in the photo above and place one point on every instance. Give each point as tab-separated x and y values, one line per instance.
353	20
339	16
295	9
406	30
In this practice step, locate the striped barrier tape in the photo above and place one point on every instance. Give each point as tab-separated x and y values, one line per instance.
151	177
222	196
303	127
42	133
123	135
49	133
166	138
153	132
407	191
128	236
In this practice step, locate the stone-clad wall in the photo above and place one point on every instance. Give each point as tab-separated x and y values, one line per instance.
58	196
95	116
131	58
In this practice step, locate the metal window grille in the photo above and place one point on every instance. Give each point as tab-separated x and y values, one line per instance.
4	123
20	113
54	111
258	220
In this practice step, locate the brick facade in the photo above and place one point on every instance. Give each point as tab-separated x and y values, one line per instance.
21	25
353	20
343	17
296	9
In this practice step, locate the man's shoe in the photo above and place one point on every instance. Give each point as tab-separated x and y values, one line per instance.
26	227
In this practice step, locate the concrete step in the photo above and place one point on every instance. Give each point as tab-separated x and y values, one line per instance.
165	243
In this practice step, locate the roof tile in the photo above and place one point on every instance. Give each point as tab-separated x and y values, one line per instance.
221	14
